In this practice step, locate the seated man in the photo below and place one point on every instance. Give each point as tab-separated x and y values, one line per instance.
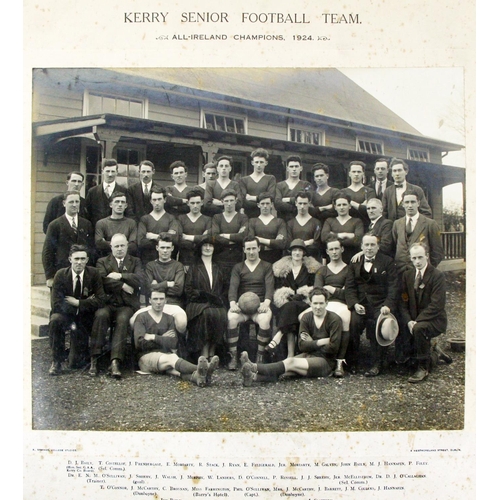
116	223
164	273
122	277
155	339
320	333
251	275
422	308
77	292
370	290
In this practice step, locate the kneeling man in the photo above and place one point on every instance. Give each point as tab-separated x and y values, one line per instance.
422	307
320	333
155	340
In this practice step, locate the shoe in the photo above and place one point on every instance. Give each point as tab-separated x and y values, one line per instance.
442	355
271	347
55	368
233	362
339	371
419	375
199	377
212	366
353	368
93	366
114	369
249	373
373	371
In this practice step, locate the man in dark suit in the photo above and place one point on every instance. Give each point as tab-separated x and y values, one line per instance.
121	276
67	230
415	227
381	182
77	293
139	194
422	307
97	200
393	195
55	207
370	290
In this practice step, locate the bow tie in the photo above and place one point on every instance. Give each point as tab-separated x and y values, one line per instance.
399	186
369	260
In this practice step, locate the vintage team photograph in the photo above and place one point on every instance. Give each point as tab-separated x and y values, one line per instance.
248	249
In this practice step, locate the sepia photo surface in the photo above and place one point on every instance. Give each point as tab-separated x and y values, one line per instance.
177	82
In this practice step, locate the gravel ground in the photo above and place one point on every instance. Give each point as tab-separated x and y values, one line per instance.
75	401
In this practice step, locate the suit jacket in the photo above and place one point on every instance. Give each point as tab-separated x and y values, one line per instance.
373	185
428	302
393	211
60	236
138	205
97	202
131	275
55	209
92	298
383	231
426	231
378	288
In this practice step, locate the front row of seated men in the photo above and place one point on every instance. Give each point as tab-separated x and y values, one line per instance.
87	301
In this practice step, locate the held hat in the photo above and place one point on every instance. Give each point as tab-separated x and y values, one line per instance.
298	243
387	329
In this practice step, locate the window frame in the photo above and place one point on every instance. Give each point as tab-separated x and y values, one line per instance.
418	150
371	141
303	130
224	116
144	102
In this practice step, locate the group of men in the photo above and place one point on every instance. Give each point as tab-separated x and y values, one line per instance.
122	243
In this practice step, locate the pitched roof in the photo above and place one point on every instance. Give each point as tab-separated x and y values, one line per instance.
322	91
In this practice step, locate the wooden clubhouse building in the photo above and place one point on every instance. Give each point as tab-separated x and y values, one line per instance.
195	114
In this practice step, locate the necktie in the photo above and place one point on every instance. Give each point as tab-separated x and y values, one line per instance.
369	261
418	280
73	225
370	227
78	287
409	229
399	186
108	191
379	188
120	265
146	190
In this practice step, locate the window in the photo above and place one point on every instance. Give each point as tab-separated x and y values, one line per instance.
118	105
226	123
370	146
418	154
306	136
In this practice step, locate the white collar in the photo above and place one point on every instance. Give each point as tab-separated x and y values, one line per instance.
421	271
373	222
70	219
414	218
74	275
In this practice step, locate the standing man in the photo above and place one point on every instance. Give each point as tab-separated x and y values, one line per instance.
156	342
412	228
251	275
209	173
393	195
164	274
76	294
139	194
358	192
212	203
176	202
370	290
287	190
97	201
55	207
256	183
121	276
422	307
116	223
381	182
67	230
